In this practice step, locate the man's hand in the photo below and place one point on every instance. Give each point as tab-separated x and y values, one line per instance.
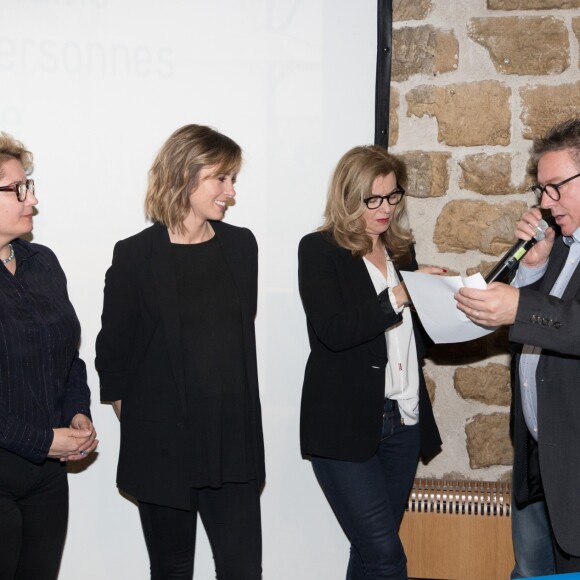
495	306
526	229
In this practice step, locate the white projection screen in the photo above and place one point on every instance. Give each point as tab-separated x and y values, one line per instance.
93	88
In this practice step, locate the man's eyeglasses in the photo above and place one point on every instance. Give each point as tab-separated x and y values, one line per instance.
393	198
551	189
22	188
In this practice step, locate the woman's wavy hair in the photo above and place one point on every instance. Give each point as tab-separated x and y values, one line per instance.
175	172
10	148
352	182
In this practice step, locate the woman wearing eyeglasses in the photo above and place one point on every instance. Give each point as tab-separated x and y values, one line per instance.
44	398
366	415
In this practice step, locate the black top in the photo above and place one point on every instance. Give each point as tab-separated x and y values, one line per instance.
212	344
43	382
140	360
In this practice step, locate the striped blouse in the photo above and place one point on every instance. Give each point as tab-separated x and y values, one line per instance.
43	382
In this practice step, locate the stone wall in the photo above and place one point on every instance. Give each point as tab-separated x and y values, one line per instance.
472	83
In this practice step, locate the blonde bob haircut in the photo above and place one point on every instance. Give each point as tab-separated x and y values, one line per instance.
10	148
351	183
174	174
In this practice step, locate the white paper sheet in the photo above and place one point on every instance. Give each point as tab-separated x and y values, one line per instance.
432	297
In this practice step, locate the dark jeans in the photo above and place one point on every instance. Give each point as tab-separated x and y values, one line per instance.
33	517
532	540
231	518
369	499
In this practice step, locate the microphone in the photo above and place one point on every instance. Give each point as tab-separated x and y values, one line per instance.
511	260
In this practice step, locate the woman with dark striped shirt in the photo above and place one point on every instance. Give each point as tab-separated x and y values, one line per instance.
44	397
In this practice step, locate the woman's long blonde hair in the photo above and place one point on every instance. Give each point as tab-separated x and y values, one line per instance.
352	182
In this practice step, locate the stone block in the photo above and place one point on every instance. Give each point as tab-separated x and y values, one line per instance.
490	174
543	106
423	50
467	114
489	384
576	29
431	387
465	225
416	10
532	4
524	45
428	175
488	441
457	476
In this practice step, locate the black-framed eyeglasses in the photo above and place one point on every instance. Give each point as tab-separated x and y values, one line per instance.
551	189
393	198
21	188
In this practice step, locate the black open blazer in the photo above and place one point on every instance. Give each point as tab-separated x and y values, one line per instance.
344	382
139	359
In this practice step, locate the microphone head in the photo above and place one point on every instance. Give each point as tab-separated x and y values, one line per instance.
540	231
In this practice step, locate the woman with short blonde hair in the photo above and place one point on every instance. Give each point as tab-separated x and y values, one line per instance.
177	350
175	171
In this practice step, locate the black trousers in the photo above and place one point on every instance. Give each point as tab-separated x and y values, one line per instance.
231	518
33	517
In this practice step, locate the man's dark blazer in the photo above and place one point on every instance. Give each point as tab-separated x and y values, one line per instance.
139	358
554	325
344	381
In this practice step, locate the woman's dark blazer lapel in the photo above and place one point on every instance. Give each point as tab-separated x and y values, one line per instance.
233	248
165	281
365	290
361	279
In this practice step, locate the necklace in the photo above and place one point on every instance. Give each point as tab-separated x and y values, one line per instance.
10	257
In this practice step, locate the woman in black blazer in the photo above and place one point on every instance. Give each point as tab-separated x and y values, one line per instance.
177	350
366	415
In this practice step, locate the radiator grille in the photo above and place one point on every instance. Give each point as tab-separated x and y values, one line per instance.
489	498
458	530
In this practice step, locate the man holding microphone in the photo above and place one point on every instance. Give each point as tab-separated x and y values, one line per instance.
542	306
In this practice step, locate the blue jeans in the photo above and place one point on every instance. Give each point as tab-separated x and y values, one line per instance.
369	499
532	539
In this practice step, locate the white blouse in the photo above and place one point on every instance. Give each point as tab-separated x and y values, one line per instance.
402	370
